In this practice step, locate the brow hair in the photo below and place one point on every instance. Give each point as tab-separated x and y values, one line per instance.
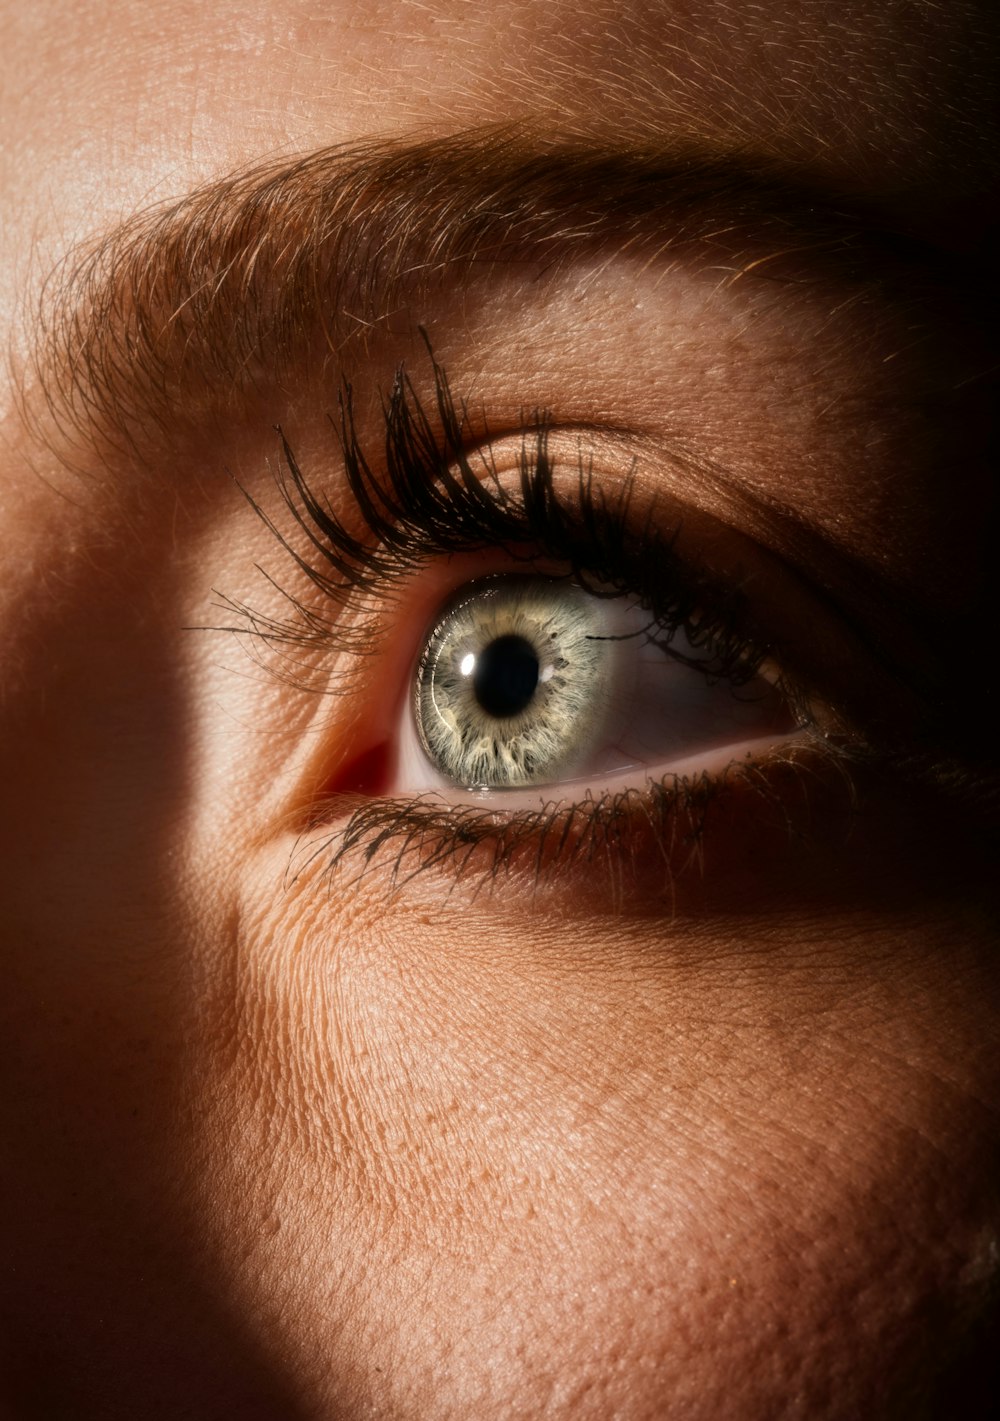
198	302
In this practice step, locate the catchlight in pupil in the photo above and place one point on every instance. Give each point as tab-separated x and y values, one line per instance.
505	676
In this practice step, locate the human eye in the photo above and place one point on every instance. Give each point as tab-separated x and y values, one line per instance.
534	685
539	649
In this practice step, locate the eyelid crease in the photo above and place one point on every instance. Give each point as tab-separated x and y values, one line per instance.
434	491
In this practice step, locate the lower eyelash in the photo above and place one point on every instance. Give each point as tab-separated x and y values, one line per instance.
411	838
665	822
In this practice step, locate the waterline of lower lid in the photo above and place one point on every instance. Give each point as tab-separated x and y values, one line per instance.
709	765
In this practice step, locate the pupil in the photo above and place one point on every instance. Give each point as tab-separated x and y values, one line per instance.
505	676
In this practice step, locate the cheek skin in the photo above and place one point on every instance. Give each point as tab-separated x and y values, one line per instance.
606	1168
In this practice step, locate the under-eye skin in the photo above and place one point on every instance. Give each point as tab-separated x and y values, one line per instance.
581	566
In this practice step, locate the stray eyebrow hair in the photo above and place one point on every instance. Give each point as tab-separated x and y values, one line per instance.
192	306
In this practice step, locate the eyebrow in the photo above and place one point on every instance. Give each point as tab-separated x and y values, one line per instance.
194	305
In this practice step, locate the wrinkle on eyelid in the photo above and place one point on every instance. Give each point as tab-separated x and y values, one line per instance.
777	402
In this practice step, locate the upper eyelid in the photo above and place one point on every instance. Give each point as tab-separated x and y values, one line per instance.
453	435
429	497
401	524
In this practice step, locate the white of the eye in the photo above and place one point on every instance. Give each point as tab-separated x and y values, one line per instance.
661	717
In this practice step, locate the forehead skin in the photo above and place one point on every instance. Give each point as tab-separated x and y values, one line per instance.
108	108
341	1159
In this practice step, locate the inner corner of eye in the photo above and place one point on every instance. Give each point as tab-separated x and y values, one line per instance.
368	772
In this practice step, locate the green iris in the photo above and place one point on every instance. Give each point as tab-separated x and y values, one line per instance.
513	682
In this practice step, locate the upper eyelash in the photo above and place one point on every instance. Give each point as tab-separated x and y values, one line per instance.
429	499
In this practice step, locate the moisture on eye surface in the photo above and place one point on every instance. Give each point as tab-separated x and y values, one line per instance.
527	681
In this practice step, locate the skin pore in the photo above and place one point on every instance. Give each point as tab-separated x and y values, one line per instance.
687	1110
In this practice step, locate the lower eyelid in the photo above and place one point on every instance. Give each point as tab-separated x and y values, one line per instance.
691	840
